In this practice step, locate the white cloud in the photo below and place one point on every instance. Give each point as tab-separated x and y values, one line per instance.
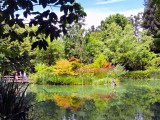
131	12
109	1
95	18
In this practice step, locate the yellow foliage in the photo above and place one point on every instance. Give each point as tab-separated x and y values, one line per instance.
62	101
68	101
107	64
63	67
67	67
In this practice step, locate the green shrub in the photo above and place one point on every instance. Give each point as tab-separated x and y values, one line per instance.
104	81
84	79
143	74
117	72
99	61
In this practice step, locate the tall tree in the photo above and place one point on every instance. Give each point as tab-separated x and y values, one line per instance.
15	56
137	21
74	41
151	22
54	52
119	19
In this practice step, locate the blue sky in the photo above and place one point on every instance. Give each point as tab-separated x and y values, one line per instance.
98	10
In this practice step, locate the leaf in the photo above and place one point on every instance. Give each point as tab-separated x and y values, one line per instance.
35	13
45	13
34	45
53	15
24	34
44	3
40	45
31	33
25	14
5	35
66	9
13	35
45	44
71	9
70	18
77	6
52	37
17	15
20	23
11	22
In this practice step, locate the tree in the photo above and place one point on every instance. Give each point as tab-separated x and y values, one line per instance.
47	21
137	21
151	22
54	52
15	56
74	41
93	46
155	3
119	19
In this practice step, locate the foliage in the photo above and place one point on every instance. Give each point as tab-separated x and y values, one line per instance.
70	102
84	79
154	63
13	102
137	21
153	3
119	19
151	22
75	63
143	74
63	67
121	47
103	81
99	61
15	56
42	75
118	71
93	46
52	27
74	41
54	52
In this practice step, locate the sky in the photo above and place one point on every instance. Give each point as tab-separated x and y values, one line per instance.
98	10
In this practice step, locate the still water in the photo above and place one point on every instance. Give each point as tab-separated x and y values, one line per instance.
130	100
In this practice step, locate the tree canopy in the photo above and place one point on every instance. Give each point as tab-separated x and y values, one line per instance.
119	19
47	21
151	22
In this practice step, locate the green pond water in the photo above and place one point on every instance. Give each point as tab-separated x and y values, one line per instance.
130	100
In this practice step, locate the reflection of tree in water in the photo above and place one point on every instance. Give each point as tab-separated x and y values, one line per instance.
47	110
50	111
134	104
89	112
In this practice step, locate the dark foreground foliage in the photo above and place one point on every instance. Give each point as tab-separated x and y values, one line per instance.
13	105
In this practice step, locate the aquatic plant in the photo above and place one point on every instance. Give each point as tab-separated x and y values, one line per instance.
13	105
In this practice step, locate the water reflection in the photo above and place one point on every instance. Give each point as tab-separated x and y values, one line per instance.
129	102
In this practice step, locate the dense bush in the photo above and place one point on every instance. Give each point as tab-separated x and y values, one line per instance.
143	74
83	79
99	61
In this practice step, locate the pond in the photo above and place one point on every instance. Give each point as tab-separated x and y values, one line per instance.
130	100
